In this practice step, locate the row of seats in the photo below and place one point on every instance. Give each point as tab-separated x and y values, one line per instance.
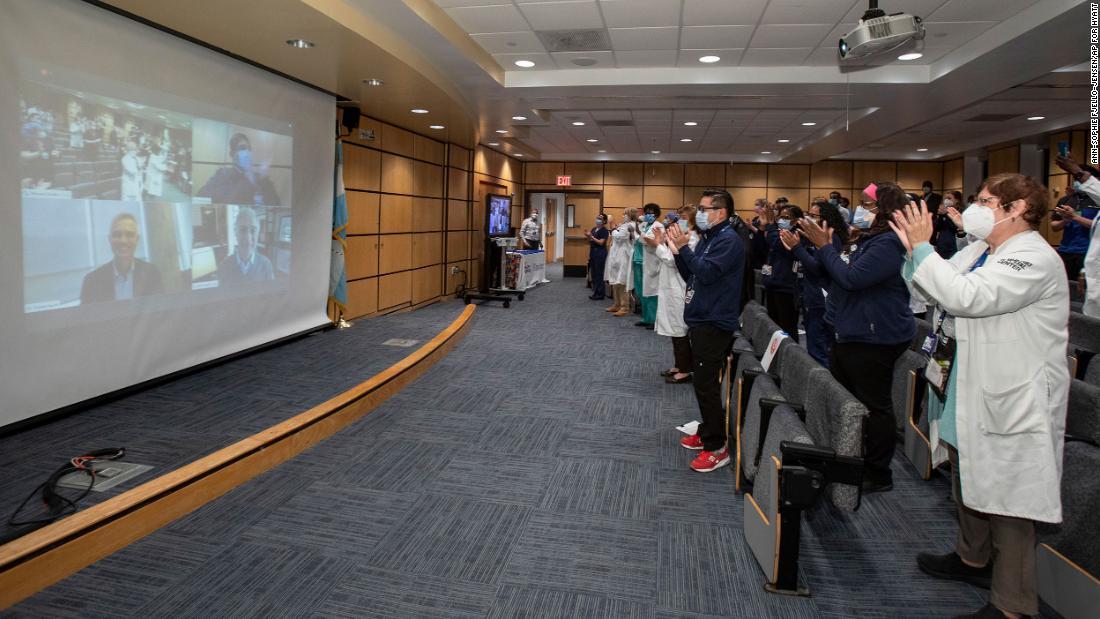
797	402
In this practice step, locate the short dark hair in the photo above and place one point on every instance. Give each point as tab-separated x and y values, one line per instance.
831	215
236	140
927	184
834	192
720	197
889	197
793	211
652	208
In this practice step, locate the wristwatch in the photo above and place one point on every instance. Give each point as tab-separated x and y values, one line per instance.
1080	176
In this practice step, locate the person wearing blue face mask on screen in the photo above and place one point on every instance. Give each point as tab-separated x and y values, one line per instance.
780	277
597	256
240	183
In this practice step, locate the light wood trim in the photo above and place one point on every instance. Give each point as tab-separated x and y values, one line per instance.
911	419
778	537
43	557
1070	563
759	512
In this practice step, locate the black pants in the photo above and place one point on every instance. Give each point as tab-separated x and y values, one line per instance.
867	371
597	258
710	346
782	309
532	244
1074	263
681	352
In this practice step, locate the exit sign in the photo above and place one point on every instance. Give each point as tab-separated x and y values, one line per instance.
565	181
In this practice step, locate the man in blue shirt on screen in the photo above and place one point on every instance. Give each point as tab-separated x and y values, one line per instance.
245	264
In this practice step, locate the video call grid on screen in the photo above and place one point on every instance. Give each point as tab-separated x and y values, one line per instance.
122	199
500	214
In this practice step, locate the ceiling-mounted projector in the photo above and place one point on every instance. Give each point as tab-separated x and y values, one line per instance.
878	33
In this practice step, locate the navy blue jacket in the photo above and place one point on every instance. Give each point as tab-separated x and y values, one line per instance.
814	276
943	236
781	260
872	302
714	273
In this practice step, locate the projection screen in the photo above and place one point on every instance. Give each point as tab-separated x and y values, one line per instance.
163	205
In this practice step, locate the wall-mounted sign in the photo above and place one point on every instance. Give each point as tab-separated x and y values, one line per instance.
565	181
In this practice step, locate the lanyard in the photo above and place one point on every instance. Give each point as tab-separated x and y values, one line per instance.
979	262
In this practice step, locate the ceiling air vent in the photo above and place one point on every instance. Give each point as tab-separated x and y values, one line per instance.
614	123
574	40
990	118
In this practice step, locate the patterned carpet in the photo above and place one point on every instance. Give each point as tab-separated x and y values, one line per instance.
533	472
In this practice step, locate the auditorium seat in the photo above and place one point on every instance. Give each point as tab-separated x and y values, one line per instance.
923	329
1084	341
910	410
754	386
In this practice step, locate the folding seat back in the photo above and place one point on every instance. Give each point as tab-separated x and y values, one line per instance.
923	329
754	387
1083	413
794	374
834	419
910	410
1084	337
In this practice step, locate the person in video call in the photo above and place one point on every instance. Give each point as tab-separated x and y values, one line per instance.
132	176
240	183
246	264
125	276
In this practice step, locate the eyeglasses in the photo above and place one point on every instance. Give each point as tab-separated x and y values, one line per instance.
986	201
709	208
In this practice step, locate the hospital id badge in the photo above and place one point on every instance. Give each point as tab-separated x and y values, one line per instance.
938	370
766	270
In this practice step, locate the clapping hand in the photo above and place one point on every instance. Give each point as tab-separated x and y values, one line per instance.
790	239
677	237
956	217
819	235
913	225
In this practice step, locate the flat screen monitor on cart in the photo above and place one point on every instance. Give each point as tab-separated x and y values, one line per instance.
499	211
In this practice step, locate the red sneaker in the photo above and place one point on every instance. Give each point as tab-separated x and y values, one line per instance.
707	461
692	442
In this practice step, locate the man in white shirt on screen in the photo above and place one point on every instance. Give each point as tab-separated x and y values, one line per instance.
530	231
245	264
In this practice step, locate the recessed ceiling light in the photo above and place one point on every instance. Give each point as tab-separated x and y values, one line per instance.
592	140
502	131
655	152
418	110
373	82
526	64
519	154
519	118
578	123
685	139
601	151
784	141
765	152
299	43
437	127
808	124
709	59
911	56
1036	117
922	150
494	143
690	123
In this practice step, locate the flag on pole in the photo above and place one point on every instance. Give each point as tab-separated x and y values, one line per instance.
338	281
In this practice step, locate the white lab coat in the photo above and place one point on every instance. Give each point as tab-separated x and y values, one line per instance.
1091	187
154	174
1013	384
620	256
670	293
131	177
651	267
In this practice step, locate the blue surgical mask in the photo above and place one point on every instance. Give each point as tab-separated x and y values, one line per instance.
599	222
243	159
650	218
833	201
1077	185
784	224
683	225
863	218
701	220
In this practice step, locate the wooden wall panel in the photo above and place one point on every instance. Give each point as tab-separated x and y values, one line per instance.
623	174
426	283
745	197
362	256
397	215
692	194
953	175
623	196
427	180
454	280
664	174
831	174
457	245
369	124
427	214
394	253
542	172
1004	160
867	172
361	168
429	150
394	289
397	140
458	213
362	297
823	192
705	175
585	173
792	175
911	174
459	157
363	212
397	174
427	249
665	197
747	175
796	195
458	185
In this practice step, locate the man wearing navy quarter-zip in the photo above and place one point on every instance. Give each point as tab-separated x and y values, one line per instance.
714	271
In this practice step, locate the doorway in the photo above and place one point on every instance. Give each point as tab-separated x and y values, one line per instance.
552	208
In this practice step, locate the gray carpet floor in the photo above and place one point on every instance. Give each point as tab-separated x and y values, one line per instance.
533	472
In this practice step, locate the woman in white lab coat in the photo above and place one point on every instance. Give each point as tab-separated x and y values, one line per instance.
131	184
154	172
1003	301
645	257
670	297
618	270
